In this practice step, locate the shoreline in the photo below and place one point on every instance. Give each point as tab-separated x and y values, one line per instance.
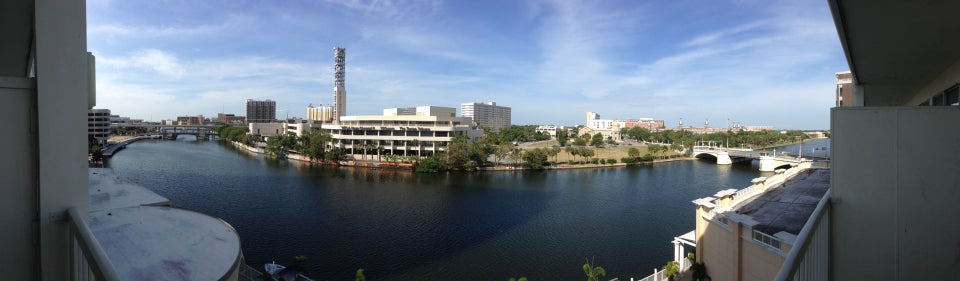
110	149
407	166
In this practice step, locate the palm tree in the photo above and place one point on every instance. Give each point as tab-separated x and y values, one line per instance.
593	271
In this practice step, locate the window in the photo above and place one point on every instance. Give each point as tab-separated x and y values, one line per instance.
937	100
952	96
766	239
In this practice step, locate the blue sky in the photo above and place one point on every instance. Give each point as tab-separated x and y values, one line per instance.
756	62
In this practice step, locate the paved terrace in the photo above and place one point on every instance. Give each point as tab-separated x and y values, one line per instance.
787	207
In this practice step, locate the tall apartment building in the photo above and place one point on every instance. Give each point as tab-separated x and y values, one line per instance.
264	111
844	91
98	125
488	114
320	113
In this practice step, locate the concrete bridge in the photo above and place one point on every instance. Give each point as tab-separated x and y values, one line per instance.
171	132
727	156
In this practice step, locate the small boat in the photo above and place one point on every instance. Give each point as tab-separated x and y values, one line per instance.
282	273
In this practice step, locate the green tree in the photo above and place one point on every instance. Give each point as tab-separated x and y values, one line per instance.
360	276
597	140
274	146
654	148
671	269
298	263
633	152
579	142
554	151
96	154
593	272
457	153
502	152
432	164
534	159
562	137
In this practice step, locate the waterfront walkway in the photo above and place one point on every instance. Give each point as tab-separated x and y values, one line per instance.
112	148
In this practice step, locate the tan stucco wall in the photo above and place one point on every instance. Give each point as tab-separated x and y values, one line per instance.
759	263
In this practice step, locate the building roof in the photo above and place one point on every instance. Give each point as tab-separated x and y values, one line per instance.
787	208
107	191
145	241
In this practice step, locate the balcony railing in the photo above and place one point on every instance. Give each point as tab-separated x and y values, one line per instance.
88	261
809	259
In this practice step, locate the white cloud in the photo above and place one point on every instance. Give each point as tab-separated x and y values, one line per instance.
148	59
149	31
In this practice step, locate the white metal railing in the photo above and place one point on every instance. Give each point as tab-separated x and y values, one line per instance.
88	261
660	274
656	276
809	259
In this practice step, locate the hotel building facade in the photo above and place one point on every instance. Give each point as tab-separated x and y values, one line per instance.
489	114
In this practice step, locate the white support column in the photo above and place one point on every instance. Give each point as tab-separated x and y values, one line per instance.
766	164
723	158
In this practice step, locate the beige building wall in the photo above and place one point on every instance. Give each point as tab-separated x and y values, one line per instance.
843	95
720	251
759	262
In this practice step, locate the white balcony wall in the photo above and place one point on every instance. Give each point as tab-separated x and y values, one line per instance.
896	188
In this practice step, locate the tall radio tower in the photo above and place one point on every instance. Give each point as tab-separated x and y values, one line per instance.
339	90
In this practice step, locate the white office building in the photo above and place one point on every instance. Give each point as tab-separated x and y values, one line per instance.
98	125
425	132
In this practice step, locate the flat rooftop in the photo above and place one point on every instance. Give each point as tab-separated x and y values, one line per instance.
145	239
787	208
109	191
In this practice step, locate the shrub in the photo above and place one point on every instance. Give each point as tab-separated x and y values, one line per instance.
429	165
603	161
628	160
611	161
594	160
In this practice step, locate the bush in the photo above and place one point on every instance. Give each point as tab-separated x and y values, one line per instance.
647	158
429	165
628	160
611	161
603	161
594	160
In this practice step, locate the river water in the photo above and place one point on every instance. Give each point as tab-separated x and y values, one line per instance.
399	225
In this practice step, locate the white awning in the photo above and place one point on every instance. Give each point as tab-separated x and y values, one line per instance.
688	238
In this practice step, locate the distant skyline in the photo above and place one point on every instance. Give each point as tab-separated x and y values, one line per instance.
754	62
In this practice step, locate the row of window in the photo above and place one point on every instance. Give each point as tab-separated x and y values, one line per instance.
386	143
395	133
949	97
